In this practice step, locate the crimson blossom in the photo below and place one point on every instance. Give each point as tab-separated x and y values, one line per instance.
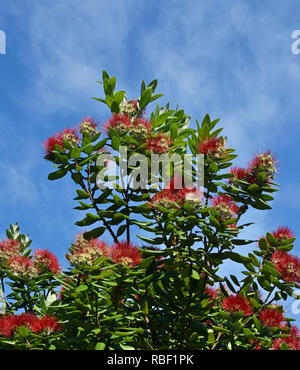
9	324
237	303
288	266
44	260
125	254
272	317
68	135
292	341
226	207
212	147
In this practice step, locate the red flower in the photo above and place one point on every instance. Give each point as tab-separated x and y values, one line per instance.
211	292
292	341
214	147
165	198
23	266
9	248
283	233
45	260
68	135
288	265
141	127
125	254
47	324
236	303
87	251
88	125
256	344
159	143
191	195
129	108
226	207
272	317
237	173
174	191
263	162
119	122
9	324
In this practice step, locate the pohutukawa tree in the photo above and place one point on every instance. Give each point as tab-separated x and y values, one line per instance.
144	273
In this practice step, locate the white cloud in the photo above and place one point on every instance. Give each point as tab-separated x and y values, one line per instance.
70	43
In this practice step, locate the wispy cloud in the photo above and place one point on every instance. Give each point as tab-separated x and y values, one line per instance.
70	44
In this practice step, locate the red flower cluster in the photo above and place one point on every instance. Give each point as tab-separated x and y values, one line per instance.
262	162
288	266
119	122
237	303
225	206
283	233
122	123
238	173
292	341
26	266
125	254
265	162
130	108
88	125
22	266
272	317
9	324
213	147
87	251
175	192
46	261
9	248
159	144
68	135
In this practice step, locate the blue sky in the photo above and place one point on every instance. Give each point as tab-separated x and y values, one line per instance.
230	59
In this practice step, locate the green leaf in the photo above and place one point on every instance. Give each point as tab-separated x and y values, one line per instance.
284	347
257	323
272	240
285	248
242	241
99	145
156	241
235	280
82	194
253	189
263	244
195	275
248	333
57	174
260	204
75	153
120	202
81	288
115	143
100	346
23	331
193	146
145	98
95	233
119	96
211	337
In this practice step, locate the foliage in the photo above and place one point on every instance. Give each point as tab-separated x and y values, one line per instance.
167	293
